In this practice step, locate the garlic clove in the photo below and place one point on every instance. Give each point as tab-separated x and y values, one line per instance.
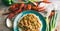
9	23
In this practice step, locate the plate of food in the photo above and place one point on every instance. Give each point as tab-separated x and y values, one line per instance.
29	21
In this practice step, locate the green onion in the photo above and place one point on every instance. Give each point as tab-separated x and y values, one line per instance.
53	22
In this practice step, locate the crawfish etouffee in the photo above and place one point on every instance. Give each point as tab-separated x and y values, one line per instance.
29	23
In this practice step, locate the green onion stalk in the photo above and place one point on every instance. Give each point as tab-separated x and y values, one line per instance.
47	22
52	24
